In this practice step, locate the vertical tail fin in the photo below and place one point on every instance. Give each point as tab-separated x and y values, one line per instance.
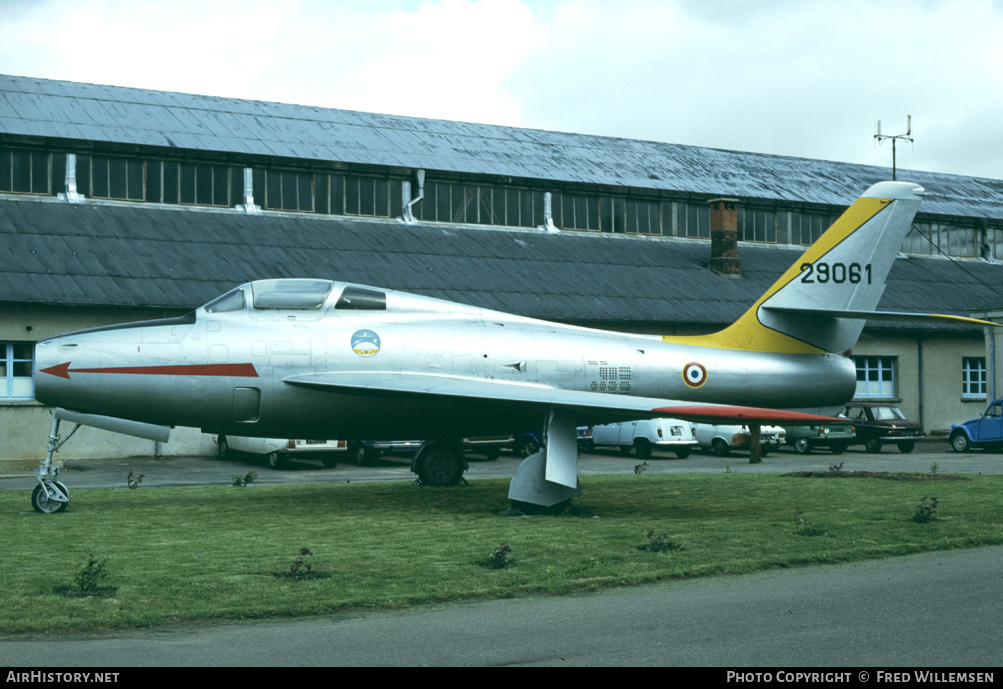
844	271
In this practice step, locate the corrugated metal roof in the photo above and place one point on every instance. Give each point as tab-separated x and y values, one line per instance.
137	255
59	109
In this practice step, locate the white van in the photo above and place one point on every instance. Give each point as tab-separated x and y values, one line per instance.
646	435
721	440
278	451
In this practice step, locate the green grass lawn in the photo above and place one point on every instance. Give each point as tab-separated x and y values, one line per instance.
193	554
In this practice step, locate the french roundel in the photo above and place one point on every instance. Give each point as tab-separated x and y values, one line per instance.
694	374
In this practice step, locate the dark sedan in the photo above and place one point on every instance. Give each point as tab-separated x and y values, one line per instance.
877	423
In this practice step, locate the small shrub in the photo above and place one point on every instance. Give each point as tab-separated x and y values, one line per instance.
302	568
659	542
88	580
498	559
640	468
245	480
803	527
835	468
925	511
133	483
934	468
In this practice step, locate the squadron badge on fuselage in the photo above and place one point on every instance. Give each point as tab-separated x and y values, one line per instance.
365	342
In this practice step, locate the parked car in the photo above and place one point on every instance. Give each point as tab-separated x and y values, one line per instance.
721	440
646	435
522	444
876	423
837	437
278	451
585	443
367	451
985	431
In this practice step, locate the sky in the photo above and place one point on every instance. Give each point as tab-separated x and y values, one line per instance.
804	78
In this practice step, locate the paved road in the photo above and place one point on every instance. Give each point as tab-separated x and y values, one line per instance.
928	610
181	471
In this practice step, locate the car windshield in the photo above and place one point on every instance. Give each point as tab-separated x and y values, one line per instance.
887	413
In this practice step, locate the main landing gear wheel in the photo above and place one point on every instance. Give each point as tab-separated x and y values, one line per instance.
50	497
440	464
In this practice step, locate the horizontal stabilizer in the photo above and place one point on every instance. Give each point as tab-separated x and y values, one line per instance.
883	316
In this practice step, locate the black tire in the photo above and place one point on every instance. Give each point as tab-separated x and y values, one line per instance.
42	504
960	442
838	448
362	455
642	447
329	462
872	445
530	446
682	452
492	454
720	448
907	446
222	448
625	449
802	446
274	460
437	465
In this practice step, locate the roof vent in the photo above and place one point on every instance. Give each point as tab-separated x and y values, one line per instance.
724	238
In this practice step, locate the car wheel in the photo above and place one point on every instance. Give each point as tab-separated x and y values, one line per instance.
361	455
959	442
493	454
625	449
907	446
222	448
682	452
274	460
720	448
530	446
643	448
802	446
838	448
329	462
872	445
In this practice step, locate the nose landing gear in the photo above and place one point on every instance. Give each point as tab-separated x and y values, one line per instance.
51	496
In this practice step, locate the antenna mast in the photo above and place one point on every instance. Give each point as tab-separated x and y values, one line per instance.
905	137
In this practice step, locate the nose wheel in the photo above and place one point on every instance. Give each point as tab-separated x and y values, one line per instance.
51	496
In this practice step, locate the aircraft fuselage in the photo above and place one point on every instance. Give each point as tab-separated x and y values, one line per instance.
223	367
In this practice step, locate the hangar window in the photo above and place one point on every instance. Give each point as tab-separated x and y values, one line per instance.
110	177
757	225
973	377
693	219
28	172
287	190
16	363
875	376
807	227
484	205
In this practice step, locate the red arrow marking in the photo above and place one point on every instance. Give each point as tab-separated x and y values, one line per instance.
237	370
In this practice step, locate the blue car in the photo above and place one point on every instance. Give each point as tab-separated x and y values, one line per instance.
985	431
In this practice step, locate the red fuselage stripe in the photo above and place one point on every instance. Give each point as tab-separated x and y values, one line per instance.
240	370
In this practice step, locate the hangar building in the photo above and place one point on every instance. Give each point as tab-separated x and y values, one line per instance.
121	204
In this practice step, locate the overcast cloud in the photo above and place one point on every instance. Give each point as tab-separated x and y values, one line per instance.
791	77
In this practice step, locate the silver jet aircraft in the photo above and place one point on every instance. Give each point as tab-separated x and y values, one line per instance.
326	359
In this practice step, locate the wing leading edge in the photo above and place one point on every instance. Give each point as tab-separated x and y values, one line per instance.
593	407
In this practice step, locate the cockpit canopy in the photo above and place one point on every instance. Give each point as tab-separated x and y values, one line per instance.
297	294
